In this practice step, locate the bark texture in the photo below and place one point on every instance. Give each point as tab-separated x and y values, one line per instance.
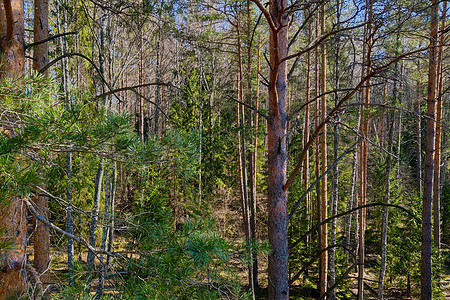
41	236
13	220
277	160
324	161
40	29
426	255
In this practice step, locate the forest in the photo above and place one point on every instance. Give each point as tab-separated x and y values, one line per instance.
224	149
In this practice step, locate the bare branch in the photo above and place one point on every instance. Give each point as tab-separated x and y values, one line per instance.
49	39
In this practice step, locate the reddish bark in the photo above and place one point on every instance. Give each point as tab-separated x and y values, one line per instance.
13	221
12	38
276	130
41	240
364	149
437	155
426	256
40	29
13	260
41	236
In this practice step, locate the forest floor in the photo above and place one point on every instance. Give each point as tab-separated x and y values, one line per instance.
304	289
59	278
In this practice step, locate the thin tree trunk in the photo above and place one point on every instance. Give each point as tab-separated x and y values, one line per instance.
419	134
383	116
94	213
426	255
70	253
317	142
105	234
364	151
437	154
306	137
158	75
384	224
351	203
140	121
111	224
335	182
324	163
243	158
252	119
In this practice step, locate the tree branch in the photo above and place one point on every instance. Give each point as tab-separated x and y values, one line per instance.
266	15
312	260
295	208
351	211
319	42
251	107
9	20
338	106
49	39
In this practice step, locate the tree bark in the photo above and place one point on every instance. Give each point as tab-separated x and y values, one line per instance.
324	162
419	134
111	224
105	234
277	159
306	136
384	224
40	30
13	221
335	182
242	156
253	123
94	213
426	253
437	155
317	141
70	219
41	236
364	148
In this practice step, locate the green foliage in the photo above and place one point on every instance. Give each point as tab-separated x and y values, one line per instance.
191	262
79	292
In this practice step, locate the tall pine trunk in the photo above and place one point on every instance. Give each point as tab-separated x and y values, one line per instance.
324	161
426	255
437	155
364	130
277	156
41	236
13	220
